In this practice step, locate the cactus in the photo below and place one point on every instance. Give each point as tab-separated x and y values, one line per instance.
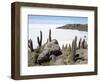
76	41
30	45
66	46
74	47
69	48
49	35
84	44
79	45
63	47
39	40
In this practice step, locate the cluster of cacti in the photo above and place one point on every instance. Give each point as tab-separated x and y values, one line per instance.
74	47
39	40
30	45
82	44
64	47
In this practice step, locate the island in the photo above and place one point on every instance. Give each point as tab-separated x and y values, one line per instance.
80	27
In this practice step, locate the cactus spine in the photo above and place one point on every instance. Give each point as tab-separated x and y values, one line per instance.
39	40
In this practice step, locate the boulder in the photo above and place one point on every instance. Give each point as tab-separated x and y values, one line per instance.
81	56
50	48
32	56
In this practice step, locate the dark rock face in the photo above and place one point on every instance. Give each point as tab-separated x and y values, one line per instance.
50	48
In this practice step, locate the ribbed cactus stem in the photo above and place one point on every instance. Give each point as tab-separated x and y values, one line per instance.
62	46
69	47
39	40
75	41
49	35
74	47
30	45
79	45
66	46
83	43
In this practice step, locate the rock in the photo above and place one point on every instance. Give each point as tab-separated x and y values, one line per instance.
32	56
50	48
43	57
81	56
59	62
52	59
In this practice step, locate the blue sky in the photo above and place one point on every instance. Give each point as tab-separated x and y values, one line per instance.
40	19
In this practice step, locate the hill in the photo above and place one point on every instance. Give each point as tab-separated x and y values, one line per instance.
80	27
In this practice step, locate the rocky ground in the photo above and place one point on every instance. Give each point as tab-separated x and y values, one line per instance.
51	54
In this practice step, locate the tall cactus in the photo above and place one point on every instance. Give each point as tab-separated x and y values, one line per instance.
63	47
84	44
30	45
74	47
66	46
76	41
39	40
49	35
79	44
69	48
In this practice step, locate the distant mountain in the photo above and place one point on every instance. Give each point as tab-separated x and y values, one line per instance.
80	27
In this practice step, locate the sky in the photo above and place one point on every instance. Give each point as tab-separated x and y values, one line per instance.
43	19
